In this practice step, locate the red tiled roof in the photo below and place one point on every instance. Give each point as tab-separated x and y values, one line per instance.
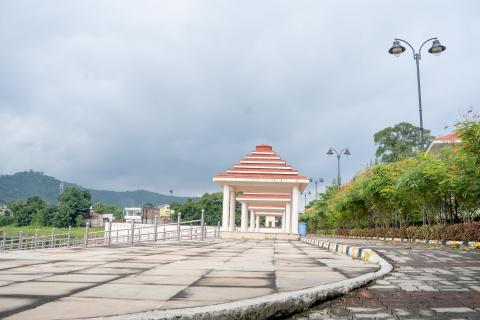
262	163
449	137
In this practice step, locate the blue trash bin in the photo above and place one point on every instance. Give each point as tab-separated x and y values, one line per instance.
302	229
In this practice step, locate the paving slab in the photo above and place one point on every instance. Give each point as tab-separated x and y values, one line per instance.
79	283
428	282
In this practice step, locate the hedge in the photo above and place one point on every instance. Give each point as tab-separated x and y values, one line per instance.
469	231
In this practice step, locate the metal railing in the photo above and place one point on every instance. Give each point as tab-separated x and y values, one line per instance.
115	234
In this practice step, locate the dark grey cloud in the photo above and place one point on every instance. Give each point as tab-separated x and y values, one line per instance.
164	94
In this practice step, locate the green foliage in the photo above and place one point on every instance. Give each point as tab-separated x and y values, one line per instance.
73	204
6	219
105	208
212	203
424	189
24	210
399	142
469	231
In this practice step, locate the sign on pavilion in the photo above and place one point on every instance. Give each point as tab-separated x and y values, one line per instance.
267	188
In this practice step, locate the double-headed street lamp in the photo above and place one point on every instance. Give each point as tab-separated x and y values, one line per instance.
332	151
435	49
316	181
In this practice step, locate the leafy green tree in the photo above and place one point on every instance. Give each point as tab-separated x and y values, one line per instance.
72	203
24	210
399	142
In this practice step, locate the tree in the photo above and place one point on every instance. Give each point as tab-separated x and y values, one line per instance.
72	204
24	210
399	142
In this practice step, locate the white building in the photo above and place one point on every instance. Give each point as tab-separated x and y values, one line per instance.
134	214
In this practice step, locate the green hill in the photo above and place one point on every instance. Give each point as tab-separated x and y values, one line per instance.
26	184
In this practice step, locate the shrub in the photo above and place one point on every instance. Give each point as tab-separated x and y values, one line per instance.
461	231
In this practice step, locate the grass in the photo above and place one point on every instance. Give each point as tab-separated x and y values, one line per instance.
14	231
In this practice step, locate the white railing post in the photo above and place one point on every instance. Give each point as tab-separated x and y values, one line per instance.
69	236
3	241
35	239
85	240
133	231
178	226
202	225
20	241
52	239
218	229
164	234
109	233
155	230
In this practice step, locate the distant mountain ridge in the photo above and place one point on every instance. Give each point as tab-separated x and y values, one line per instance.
22	185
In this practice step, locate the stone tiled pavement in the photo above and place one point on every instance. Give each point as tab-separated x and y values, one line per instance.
72	283
427	283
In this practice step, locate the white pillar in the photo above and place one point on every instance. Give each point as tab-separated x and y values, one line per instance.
232	211
252	221
244	221
226	205
284	216
288	220
295	209
257	222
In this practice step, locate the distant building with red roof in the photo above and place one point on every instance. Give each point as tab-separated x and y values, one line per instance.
441	142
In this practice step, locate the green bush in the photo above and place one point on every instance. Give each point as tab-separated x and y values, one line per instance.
469	231
6	220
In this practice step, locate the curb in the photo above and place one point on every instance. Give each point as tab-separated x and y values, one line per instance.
278	304
451	243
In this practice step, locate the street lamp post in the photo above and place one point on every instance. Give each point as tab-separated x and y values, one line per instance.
306	193
332	151
171	196
316	181
435	49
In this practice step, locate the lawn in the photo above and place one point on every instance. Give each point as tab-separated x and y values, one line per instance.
13	231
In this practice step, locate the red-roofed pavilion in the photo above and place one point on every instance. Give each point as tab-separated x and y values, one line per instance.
266	186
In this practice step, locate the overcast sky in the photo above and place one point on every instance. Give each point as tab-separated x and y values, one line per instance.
155	95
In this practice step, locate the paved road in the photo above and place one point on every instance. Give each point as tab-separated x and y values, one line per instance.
72	283
426	283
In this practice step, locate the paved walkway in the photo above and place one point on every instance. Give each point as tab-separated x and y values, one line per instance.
427	283
73	283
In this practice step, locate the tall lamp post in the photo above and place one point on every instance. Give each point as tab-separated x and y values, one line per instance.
171	197
397	49
316	181
306	193
332	151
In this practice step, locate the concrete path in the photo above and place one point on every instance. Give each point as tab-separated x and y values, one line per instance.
76	283
427	283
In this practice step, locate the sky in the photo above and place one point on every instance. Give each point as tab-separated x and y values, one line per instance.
160	95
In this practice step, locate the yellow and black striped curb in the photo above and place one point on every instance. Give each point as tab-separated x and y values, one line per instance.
452	243
365	254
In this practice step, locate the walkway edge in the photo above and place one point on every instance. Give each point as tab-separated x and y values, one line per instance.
278	304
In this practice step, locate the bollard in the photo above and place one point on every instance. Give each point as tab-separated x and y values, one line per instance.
155	229
69	236
52	240
191	231
132	232
85	237
178	226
